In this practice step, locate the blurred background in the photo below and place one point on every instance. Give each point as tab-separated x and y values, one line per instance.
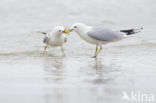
29	77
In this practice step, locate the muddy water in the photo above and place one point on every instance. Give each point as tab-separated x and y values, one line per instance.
29	77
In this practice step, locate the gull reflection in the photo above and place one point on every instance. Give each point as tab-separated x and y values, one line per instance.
103	71
53	68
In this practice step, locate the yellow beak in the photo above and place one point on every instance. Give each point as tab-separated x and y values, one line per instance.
67	31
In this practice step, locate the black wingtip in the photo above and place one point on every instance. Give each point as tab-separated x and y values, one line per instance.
132	31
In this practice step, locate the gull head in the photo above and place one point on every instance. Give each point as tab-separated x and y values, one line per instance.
59	30
77	27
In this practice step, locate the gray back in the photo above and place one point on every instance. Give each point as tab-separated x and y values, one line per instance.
104	34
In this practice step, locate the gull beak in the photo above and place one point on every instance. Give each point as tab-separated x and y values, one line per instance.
67	31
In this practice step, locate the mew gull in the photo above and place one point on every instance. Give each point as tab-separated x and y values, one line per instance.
55	38
100	36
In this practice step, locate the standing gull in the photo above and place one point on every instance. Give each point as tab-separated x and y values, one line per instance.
100	36
55	38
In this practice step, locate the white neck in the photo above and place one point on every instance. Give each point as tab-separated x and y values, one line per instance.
82	31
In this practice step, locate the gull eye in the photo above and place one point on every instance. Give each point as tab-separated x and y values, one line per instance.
75	26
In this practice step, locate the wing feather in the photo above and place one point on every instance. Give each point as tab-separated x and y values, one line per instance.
45	39
105	34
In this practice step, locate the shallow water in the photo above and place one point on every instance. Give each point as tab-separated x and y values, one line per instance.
28	76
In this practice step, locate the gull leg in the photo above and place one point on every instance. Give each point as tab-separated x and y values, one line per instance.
99	50
63	51
45	49
96	51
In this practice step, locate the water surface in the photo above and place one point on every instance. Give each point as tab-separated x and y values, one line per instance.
28	76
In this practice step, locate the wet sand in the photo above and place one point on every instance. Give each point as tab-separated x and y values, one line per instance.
28	76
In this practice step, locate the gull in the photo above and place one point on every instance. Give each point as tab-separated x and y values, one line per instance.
100	36
55	38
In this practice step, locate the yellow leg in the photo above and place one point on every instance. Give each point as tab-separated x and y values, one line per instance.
96	51
99	50
63	51
45	49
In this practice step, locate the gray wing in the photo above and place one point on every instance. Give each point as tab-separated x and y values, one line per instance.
45	39
105	34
